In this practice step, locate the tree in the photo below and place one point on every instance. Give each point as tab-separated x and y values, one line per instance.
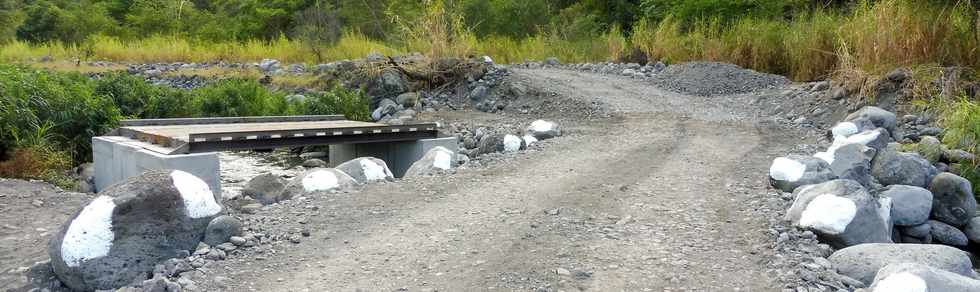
317	26
10	18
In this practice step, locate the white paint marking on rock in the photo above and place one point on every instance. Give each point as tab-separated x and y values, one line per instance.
786	169
863	138
844	129
373	171
487	59
320	180
542	126
198	198
885	211
512	143
828	213
443	159
529	140
902	282
90	235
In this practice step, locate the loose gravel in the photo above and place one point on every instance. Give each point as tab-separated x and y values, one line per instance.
709	79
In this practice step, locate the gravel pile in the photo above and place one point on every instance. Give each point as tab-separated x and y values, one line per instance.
708	79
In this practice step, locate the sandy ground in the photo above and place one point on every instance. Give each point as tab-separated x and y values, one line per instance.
653	198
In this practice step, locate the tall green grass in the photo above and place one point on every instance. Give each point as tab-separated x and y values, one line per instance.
177	49
876	37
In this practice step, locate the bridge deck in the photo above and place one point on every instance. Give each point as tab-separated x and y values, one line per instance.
181	136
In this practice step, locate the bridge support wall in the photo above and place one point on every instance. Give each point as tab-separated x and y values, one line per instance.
118	158
398	155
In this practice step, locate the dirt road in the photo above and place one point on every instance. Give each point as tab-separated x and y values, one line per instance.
654	198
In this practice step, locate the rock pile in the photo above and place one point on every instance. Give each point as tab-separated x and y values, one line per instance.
863	195
482	141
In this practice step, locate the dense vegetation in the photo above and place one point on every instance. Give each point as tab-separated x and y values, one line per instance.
47	120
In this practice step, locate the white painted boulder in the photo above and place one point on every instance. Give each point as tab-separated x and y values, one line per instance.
132	226
862	262
875	139
319	180
367	170
842	213
914	277
529	140
437	160
513	143
790	172
543	130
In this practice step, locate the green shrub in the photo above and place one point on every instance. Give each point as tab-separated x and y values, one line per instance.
353	104
130	93
962	122
238	98
65	103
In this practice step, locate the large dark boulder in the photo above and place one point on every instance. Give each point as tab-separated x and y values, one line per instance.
911	205
892	167
121	235
953	202
265	188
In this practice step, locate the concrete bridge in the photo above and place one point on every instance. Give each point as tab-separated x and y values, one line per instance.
192	144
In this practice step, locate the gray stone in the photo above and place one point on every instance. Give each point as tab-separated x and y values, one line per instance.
959	156
221	229
134	225
892	167
853	161
408	99
237	240
552	61
367	170
953	202
389	84
265	188
385	107
920	277
930	148
790	172
311	155
841	212
921	231
863	261
319	180
469	142
269	66
911	205
479	93
314	163
543	130
878	117
972	230
491	144
946	234
437	160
